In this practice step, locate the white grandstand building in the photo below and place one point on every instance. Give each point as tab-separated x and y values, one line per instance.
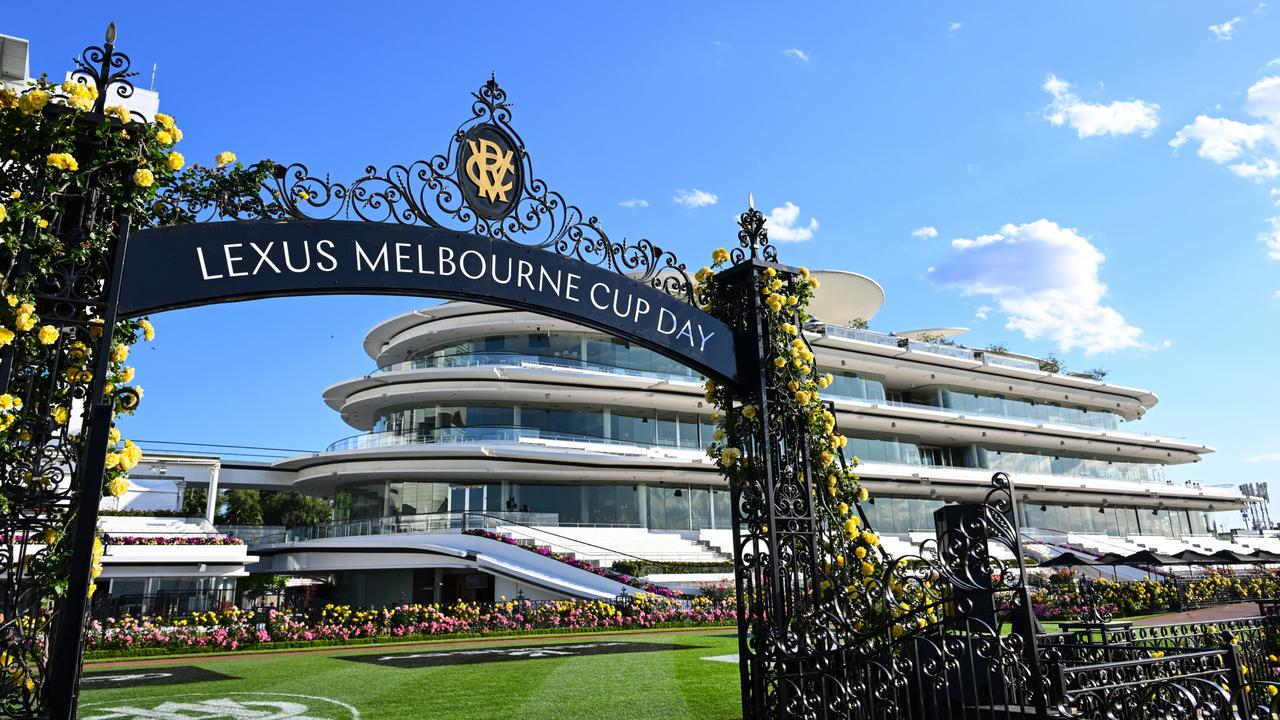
567	439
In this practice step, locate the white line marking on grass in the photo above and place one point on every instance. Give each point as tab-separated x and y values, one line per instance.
214	706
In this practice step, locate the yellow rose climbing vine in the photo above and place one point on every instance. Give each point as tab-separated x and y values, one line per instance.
73	169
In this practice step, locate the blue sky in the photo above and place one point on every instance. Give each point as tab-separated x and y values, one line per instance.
1144	135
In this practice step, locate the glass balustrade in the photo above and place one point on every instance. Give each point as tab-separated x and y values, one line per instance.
480	434
508	359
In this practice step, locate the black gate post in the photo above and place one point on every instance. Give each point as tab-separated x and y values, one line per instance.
789	661
62	690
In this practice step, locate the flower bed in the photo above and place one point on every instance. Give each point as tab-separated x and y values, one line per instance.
1060	600
336	624
623	578
171	540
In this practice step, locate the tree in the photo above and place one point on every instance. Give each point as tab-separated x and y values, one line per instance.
194	502
857	324
998	348
342	506
1051	364
244	507
935	338
293	509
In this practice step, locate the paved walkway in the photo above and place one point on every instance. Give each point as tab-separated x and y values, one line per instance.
1212	613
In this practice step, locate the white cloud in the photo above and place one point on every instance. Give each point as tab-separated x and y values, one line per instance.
1275	193
1250	150
1265	457
1271	238
981	312
955	27
1044	279
694	198
1121	117
1263	99
1273	63
797	54
1220	139
928	232
1223	31
635	203
782	224
720	44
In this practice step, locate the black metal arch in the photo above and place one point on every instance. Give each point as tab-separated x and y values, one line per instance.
182	266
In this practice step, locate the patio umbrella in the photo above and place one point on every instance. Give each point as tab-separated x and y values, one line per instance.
1191	557
1109	559
1231	557
1112	559
1067	559
1148	557
1264	556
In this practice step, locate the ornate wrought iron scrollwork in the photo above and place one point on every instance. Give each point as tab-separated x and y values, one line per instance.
753	238
443	192
105	70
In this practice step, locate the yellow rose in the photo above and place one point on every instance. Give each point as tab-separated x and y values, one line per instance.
166	121
48	335
114	435
117	487
42	223
176	161
144	178
729	456
63	161
780	362
148	330
3	213
8	98
164	137
12	300
59	414
120	112
33	101
25	322
120	353
749	412
720	255
225	157
126	374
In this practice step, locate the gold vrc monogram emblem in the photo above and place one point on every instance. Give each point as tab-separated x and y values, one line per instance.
488	167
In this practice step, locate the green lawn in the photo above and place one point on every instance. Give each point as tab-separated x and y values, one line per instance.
667	683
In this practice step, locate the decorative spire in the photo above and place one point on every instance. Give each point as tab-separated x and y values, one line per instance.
105	69
753	238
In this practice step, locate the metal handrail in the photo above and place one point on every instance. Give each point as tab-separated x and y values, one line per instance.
395	524
515	359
